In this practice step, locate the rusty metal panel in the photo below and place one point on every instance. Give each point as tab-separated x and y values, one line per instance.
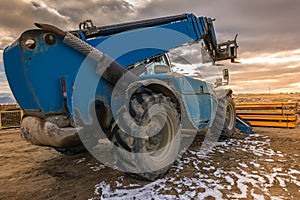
10	119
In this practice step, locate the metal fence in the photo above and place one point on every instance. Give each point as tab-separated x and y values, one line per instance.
10	119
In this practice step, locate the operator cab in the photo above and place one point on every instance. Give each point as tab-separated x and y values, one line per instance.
152	66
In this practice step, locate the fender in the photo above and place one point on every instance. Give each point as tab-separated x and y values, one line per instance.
229	92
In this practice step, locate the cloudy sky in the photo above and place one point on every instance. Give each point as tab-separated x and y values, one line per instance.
268	31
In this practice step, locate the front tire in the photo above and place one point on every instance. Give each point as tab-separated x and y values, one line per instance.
230	121
223	125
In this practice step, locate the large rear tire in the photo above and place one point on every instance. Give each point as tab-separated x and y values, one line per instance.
151	157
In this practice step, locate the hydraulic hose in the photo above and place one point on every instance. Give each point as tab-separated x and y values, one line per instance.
113	71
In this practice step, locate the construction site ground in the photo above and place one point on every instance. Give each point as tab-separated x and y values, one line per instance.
260	166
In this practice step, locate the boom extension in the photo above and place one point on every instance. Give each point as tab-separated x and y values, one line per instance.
202	26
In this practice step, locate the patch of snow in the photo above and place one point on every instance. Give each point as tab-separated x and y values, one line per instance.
133	185
80	160
277	169
280	160
269	160
210	193
293	171
242	185
257	196
119	181
243	165
206	168
271	178
280	155
281	182
221	151
148	191
97	167
229	180
295	182
276	198
188	195
255	164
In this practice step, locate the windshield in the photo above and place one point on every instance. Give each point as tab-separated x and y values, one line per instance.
151	66
193	60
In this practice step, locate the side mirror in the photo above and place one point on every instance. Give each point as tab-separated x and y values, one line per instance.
161	69
219	82
226	76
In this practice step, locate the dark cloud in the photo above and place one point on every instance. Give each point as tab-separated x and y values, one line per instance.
186	54
17	16
36	5
1	62
101	12
2	77
263	27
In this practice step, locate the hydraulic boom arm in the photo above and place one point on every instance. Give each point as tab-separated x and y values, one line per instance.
201	28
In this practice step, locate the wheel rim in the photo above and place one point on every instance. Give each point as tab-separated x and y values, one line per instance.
159	146
230	117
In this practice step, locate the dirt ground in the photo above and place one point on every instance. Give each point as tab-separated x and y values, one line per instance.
260	166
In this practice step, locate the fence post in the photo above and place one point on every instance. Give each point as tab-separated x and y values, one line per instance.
0	121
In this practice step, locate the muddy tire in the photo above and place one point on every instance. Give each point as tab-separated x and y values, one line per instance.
149	157
223	125
230	121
